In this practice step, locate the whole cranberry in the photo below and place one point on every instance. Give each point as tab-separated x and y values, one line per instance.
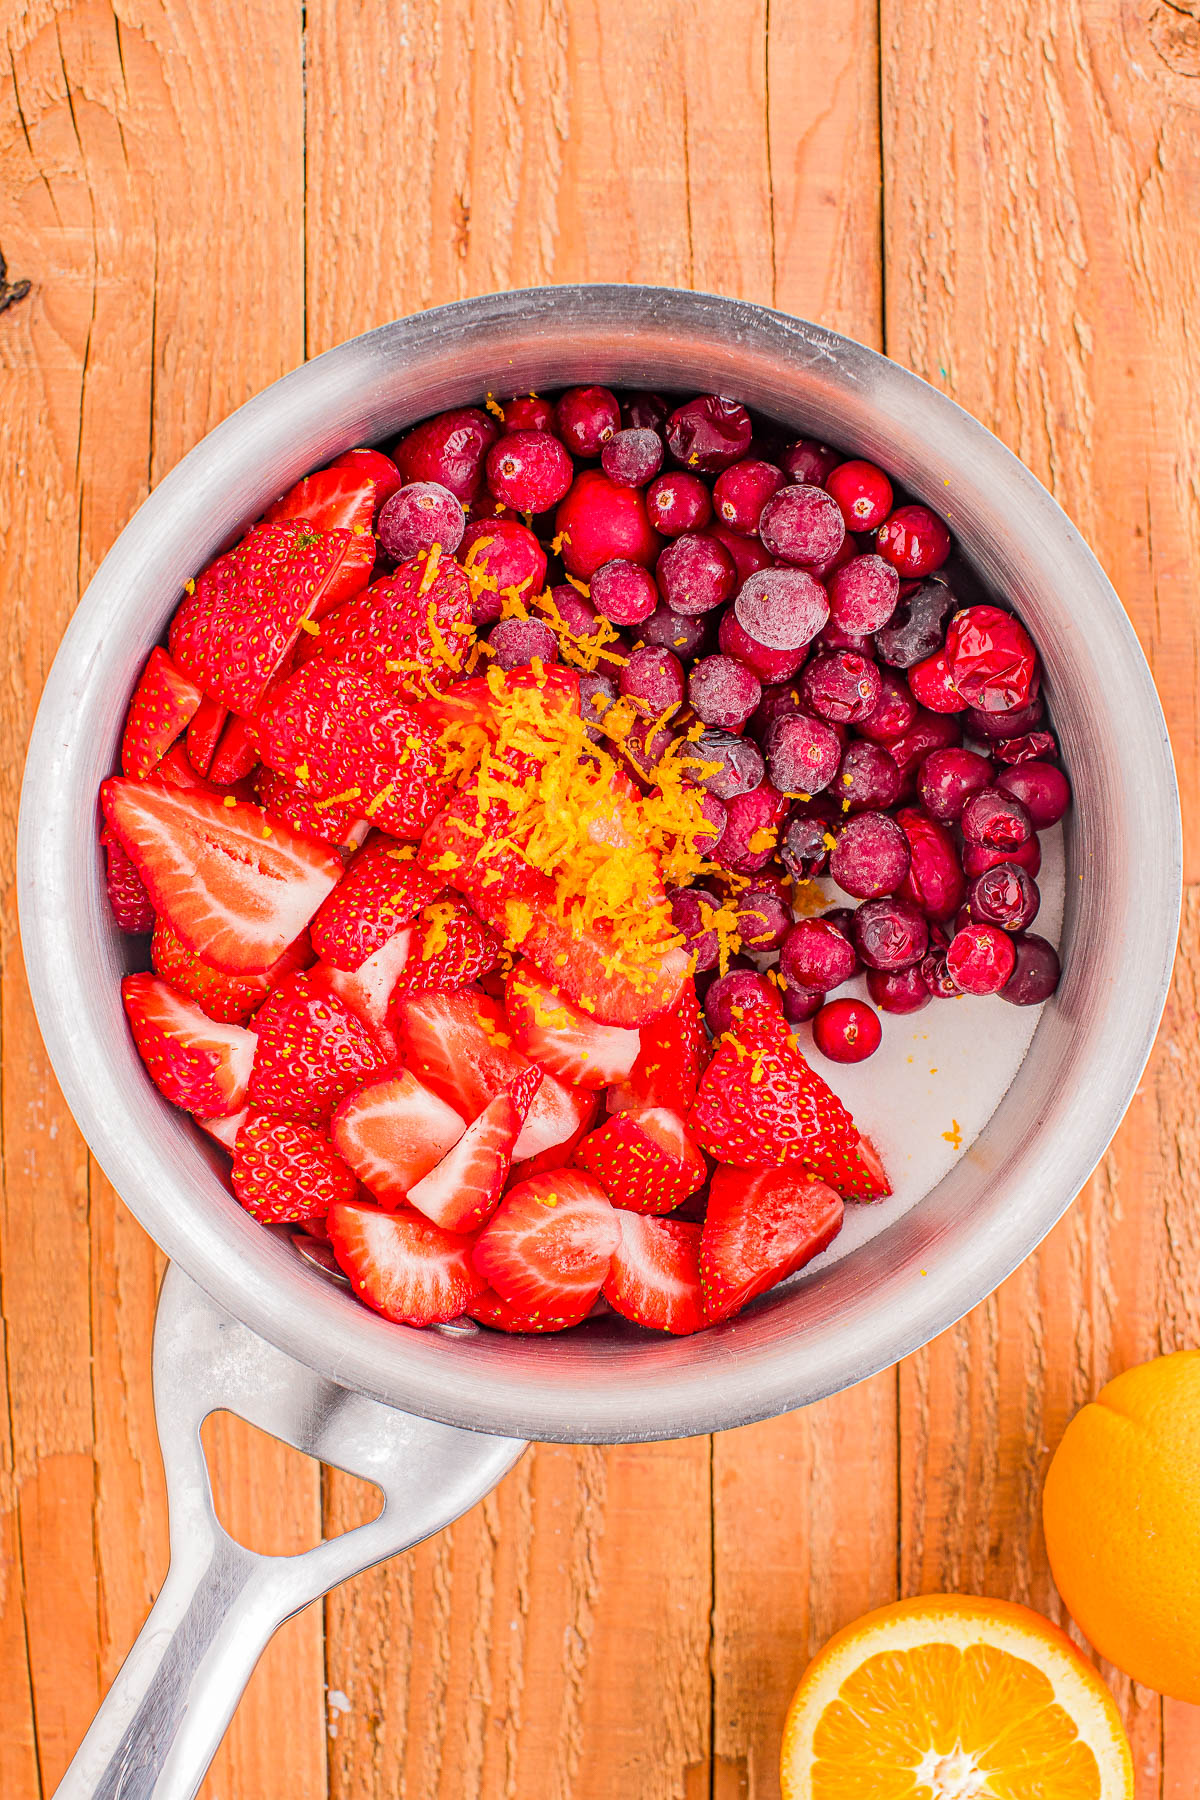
935	973
500	556
976	859
695	573
935	880
783	609
654	678
733	996
624	592
867	778
1035	972
890	933
528	412
529	470
723	692
834	638
596	695
802	524
914	540
800	1004
841	686
947	779
863	594
742	490
587	417
673	631
771	666
377	467
692	912
751	832
599	522
863	492
809	461
644	409
817	955
980	959
449	449
899	990
894	713
633	457
417	517
1031	746
1042	789
807	842
678	502
917	628
1004	895
708	433
516	643
996	820
725	765
847	1031
871	856
779	701
573	611
764	916
991	658
802	754
1002	725
933	685
747	552
929	731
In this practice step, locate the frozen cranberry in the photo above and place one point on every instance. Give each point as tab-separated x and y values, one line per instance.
716	813
678	503
914	540
933	686
517	642
863	594
1031	746
809	461
1028	856
870	857
644	744
747	553
692	912
723	692
741	491
802	754
653	677
725	765
378	467
529	470
771	666
1042	789
783	609
673	631
996	820
992	659
980	959
847	1031
935	880
1035	972
894	713
731	997
929	731
623	592
863	492
695	573
419	516
867	778
917	628
1002	725
501	557
764	917
779	701
1004	895
829	565
751	832
890	933
644	409
587	417
528	412
935	973
947	779
449	449
841	686
599	522
817	955
802	524
898	990
486	506
834	638
574	611
632	458
807	842
708	433
800	1004
596	695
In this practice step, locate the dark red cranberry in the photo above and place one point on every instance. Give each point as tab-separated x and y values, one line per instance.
747	552
890	933
449	449
935	880
771	666
917	628
528	412
863	492
587	417
644	744
596	695
834	638
894	713
529	470
1004	896
503	557
1035	972
847	1031
914	540
863	594
779	701
723	692
817	955
1042	789
644	411
574	611
871	856
417	517
518	642
802	754
800	1004
751	832
488	507
783	609
735	995
935	973
947	779
377	467
1031	746
677	503
692	912
741	491
764	916
841	686
716	815
672	631
996	820
933	686
867	778
725	765
930	731
980	959
809	461
802	524
599	522
632	458
1003	725
624	592
975	858
807	842
653	677
899	991
708	433
992	660
695	573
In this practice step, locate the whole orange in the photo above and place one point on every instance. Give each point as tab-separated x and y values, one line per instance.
1122	1518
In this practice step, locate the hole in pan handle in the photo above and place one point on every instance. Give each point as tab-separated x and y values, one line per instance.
160	1724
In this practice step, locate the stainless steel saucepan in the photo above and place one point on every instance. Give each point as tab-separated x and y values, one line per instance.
436	1417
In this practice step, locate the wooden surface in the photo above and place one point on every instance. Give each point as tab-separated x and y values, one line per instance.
1003	194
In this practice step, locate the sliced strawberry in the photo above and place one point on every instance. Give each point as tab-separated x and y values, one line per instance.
410	632
126	893
761	1226
877	1185
284	1172
236	756
392	1132
368	989
559	1117
195	1062
451	948
224	1131
557	1156
312	1050
235	887
646	1161
233	632
204	732
163	702
549	1243
403	1266
655	1275
463	1190
336	499
674	1050
230	999
578	959
501	1315
177	770
758	1102
561	1039
332	824
373	463
381	892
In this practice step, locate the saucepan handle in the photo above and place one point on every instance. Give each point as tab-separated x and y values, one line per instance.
159	1726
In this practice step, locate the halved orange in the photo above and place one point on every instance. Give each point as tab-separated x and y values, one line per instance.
953	1698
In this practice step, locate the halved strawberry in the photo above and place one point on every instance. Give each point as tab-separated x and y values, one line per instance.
381	892
761	1226
403	1266
343	826
224	1131
284	1172
368	989
236	756
451	948
410	632
655	1275
339	498
234	887
163	702
392	1132
493	1310
126	893
561	1039
312	1050
204	733
178	771
230	999
463	1190
645	1161
196	1063
674	1050
549	1243
758	1102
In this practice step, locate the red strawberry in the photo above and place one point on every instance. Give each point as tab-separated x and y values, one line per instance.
233	632
224	1131
312	1050
645	1161
462	1191
655	1275
501	1315
236	756
549	1243
346	739
758	1102
373	463
177	770
230	999
163	702
126	895
561	1039
411	631
557	1156
392	1132
368	989
336	499
451	947
674	1050
406	1268
284	1172
340	825
234	887
203	735
381	892
196	1063
761	1226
